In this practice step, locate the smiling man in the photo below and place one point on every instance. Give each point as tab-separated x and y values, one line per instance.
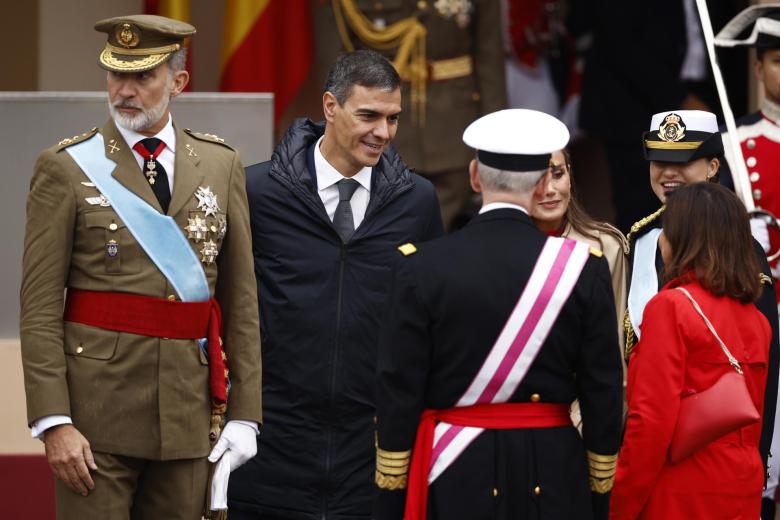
328	212
144	227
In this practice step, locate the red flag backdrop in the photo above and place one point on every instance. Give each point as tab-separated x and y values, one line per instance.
267	48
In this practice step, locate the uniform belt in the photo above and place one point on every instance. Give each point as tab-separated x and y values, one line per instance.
498	416
451	68
155	317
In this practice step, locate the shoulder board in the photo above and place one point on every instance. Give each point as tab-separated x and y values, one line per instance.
643	223
764	279
210	138
596	252
64	143
407	249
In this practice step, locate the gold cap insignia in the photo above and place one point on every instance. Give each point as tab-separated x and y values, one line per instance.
127	35
672	129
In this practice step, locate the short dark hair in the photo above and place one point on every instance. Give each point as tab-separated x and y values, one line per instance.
708	231
363	67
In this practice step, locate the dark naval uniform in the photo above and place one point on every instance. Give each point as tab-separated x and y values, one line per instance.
765	304
449	302
463	77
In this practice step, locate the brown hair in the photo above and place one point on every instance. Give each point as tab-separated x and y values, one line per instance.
578	218
708	231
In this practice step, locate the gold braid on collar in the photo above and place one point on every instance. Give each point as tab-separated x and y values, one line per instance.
638	226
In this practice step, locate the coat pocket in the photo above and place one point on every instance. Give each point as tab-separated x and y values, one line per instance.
118	247
89	342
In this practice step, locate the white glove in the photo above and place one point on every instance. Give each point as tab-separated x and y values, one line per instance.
239	439
219	483
760	232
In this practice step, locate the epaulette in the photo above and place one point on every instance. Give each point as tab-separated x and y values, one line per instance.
641	224
68	141
407	249
764	279
598	253
210	138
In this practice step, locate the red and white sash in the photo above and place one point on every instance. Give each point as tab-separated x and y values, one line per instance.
556	271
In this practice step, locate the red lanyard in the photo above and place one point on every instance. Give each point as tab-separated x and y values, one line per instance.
149	157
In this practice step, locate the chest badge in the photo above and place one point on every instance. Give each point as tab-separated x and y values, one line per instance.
196	228
207	200
112	248
209	252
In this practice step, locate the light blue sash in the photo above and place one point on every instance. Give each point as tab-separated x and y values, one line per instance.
644	279
158	235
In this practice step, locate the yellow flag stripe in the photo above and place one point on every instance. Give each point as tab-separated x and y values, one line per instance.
176	9
240	17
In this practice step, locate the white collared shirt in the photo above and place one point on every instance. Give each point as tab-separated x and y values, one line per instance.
167	157
328	176
501	205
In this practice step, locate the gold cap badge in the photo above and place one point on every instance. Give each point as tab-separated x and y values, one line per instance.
127	35
672	129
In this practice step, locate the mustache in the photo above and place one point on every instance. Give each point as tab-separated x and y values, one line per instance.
124	103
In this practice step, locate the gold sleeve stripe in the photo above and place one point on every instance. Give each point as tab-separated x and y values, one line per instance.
597	473
601	486
393	455
389	482
596	457
602	466
392	471
392	463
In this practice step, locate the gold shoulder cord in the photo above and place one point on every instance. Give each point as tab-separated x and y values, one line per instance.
601	469
638	226
630	337
408	35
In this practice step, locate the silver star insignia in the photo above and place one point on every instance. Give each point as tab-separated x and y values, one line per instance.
196	228
209	252
207	200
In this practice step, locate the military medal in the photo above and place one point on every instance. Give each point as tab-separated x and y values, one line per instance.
209	252
112	248
459	10
207	200
196	229
150	158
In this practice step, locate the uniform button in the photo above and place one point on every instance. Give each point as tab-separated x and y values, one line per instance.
422	5
535	398
475	96
171	297
495	492
757	194
80	349
754	177
751	161
537	490
113	226
751	144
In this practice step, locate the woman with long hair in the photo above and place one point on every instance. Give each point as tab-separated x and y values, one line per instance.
708	259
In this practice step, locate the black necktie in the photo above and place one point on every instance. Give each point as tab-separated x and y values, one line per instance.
160	186
343	220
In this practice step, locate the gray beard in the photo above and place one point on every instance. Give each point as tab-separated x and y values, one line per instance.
142	121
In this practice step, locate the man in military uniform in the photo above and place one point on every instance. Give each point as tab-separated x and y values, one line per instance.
683	147
759	138
450	56
490	334
145	227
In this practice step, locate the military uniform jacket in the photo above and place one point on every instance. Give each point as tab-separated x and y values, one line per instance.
765	304
452	104
134	395
449	302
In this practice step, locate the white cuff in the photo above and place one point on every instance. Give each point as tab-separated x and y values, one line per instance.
39	427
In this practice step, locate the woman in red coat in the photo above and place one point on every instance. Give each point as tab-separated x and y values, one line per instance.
707	249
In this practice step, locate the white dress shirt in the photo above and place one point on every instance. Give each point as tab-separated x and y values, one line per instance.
328	176
167	157
501	205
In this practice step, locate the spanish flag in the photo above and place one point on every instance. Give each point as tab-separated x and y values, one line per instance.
178	10
267	48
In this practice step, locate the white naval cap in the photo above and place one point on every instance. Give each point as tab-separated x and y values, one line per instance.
756	26
695	120
516	139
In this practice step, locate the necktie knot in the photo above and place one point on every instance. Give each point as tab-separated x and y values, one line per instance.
151	144
347	188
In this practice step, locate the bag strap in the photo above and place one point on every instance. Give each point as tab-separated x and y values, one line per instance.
732	359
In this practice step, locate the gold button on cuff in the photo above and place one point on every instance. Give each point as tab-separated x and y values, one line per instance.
535	398
537	490
80	349
113	226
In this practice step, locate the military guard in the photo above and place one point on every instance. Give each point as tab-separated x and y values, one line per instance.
491	333
450	56
683	147
139	230
759	138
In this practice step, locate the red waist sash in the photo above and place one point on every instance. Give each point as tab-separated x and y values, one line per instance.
498	416
155	317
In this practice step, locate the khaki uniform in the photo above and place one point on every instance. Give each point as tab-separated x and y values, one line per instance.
472	52
131	395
